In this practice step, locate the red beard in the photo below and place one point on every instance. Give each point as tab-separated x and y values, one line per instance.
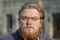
29	35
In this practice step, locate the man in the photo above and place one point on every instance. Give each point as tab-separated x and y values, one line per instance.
31	22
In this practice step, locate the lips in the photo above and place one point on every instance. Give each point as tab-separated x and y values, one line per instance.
29	27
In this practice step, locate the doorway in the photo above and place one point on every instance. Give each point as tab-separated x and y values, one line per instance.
56	24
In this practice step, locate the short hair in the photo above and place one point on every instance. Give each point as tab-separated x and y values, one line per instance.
34	6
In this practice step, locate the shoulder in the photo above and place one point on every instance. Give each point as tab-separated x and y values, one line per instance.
48	38
6	37
43	34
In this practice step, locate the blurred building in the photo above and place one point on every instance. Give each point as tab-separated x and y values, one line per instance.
9	16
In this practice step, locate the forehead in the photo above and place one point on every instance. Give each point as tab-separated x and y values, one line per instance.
31	13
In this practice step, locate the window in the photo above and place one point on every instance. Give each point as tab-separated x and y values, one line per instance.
9	22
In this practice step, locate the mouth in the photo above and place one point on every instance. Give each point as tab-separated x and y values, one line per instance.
29	27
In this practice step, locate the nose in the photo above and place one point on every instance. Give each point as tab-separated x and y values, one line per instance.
28	22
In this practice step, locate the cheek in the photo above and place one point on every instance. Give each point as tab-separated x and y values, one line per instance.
37	24
22	24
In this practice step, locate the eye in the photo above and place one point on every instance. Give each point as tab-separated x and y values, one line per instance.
23	18
35	18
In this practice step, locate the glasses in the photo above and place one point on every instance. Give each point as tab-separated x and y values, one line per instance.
31	18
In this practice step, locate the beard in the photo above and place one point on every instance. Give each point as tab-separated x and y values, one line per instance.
29	35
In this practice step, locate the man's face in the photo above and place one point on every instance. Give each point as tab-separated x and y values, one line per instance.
30	21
